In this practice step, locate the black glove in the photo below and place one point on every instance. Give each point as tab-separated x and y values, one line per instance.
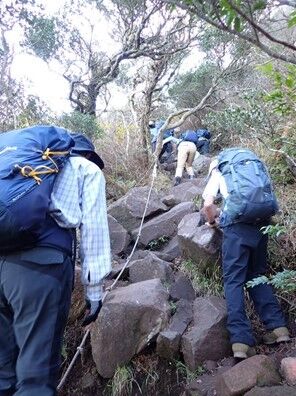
93	308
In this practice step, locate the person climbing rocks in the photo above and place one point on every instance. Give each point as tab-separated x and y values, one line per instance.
36	269
186	152
167	147
249	202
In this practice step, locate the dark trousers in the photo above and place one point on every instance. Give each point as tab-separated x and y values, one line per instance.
244	252
203	147
35	293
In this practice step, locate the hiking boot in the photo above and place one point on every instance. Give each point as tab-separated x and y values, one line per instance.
280	334
242	351
177	181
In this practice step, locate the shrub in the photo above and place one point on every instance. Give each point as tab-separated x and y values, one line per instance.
206	282
78	122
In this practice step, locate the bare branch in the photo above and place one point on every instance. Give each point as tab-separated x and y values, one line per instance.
258	28
196	9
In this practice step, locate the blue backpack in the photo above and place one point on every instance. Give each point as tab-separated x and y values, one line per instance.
190	136
167	133
203	133
251	198
30	159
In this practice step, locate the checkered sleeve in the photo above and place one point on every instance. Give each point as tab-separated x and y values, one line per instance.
94	231
78	200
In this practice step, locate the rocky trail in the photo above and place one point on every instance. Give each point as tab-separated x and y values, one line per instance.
162	331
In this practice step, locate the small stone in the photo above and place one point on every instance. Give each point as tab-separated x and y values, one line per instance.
210	365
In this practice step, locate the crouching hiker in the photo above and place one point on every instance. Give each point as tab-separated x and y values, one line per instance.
187	149
249	203
60	188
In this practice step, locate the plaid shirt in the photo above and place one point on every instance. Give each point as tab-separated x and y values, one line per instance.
78	200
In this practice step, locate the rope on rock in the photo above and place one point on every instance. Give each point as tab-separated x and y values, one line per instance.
80	347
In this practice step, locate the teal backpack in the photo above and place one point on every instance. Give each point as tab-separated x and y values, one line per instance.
251	198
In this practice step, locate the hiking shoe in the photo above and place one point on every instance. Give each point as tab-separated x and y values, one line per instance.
242	351
280	334
177	181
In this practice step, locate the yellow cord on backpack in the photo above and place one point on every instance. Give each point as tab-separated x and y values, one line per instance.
28	171
47	155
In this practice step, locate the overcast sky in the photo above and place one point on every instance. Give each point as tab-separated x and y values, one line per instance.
45	79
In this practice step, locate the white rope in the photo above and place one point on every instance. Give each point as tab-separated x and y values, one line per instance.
80	347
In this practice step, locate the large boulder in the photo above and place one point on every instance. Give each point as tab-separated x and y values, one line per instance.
288	370
207	337
150	267
279	390
117	268
164	225
171	249
130	319
168	344
185	192
182	288
119	237
140	254
202	244
128	210
201	164
182	317
258	370
168	341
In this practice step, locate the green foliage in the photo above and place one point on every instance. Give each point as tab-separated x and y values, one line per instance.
191	87
280	172
283	96
206	282
79	122
224	12
64	352
151	375
274	230
34	112
285	281
244	119
122	382
184	371
42	37
259	5
230	16
173	307
156	244
260	116
198	201
260	280
292	19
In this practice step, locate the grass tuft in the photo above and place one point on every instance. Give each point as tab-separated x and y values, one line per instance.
205	282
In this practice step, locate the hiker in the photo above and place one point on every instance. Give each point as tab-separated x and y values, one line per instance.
249	203
167	147
203	143
186	151
36	279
